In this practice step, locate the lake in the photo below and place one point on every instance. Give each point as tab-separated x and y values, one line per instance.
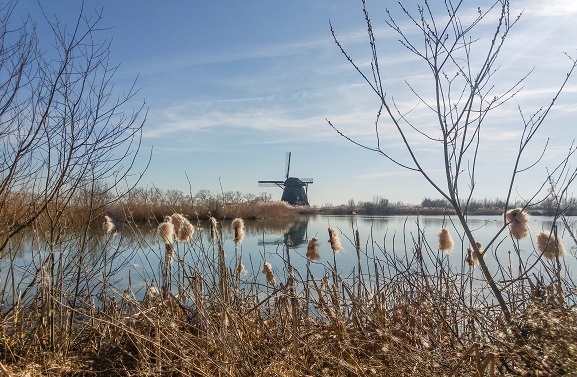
134	255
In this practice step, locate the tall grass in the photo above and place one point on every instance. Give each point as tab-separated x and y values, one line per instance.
394	314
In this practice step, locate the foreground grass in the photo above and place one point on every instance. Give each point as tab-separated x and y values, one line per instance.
203	318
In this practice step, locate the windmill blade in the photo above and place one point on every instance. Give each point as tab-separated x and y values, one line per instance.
270	183
288	163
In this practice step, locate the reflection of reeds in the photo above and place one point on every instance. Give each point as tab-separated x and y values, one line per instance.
517	219
108	225
550	245
446	242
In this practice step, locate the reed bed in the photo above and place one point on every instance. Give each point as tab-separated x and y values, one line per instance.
392	315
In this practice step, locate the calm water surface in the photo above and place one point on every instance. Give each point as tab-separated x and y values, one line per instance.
135	255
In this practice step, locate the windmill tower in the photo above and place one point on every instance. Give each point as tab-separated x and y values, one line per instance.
295	190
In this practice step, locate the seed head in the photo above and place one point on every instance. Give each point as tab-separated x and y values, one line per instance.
334	240
549	245
239	267
517	219
313	249
213	227
471	257
446	243
238	225
267	271
183	229
166	230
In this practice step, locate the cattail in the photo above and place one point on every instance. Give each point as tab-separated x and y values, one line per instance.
357	240
166	230
238	225
168	254
152	294
445	241
267	271
183	229
108	225
549	245
239	267
213	227
471	257
313	249
334	240
517	219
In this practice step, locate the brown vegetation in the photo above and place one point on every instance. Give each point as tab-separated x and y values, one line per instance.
397	318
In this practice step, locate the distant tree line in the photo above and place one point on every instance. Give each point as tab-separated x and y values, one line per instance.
382	207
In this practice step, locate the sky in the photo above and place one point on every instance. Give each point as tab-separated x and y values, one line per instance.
231	86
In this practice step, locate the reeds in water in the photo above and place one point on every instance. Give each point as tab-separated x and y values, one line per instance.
446	242
267	271
183	229
471	257
213	228
334	240
550	245
166	230
239	267
313	249
238	226
518	219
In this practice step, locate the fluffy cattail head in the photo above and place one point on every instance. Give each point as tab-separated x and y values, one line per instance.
183	229
166	230
177	219
334	240
108	225
471	257
238	226
549	245
446	243
213	227
517	219
267	271
313	249
239	267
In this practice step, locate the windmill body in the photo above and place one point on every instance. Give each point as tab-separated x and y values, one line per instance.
295	190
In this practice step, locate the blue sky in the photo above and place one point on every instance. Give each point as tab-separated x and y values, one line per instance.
230	86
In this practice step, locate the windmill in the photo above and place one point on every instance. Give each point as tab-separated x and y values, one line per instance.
294	189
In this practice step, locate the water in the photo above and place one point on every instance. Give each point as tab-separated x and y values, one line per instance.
134	256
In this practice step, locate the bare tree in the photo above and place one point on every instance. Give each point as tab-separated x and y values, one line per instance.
461	96
62	128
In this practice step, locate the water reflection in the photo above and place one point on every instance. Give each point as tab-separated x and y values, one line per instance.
294	236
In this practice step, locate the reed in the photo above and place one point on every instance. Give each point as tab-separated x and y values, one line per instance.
446	242
518	219
397	318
